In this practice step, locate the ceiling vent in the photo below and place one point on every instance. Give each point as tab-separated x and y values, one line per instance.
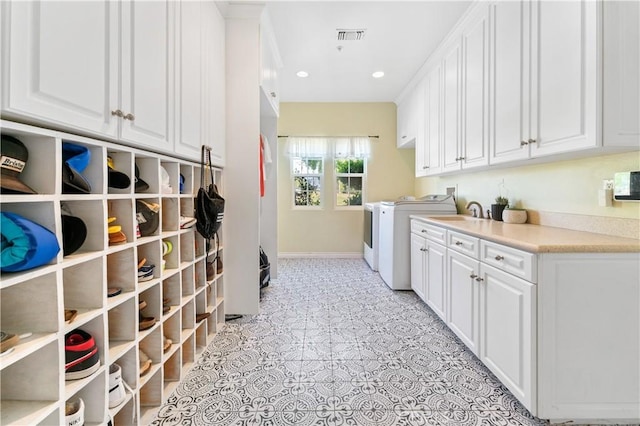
350	34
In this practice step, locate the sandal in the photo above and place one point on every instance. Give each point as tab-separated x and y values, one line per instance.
167	344
70	315
145	363
146	322
8	341
204	315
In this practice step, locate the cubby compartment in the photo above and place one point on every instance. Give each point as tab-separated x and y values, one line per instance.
188	287
172	367
151	345
121	274
129	371
171	328
41	149
188	319
188	351
201	337
148	219
96	328
94	396
83	289
151	302
94	173
186	177
125	414
151	396
122	328
200	274
187	208
92	215
148	168
172	291
199	244
219	291
171	259
148	255
31	386
121	213
172	186
170	215
187	248
120	173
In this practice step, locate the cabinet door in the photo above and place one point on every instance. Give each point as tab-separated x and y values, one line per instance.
475	81
189	129
451	107
621	56
509	100
435	267
147	74
432	137
563	76
405	136
508	332
463	298
61	63
422	158
214	118
418	250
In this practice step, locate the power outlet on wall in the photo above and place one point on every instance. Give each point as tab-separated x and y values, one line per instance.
607	184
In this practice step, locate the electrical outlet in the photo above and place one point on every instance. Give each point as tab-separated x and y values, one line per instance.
607	184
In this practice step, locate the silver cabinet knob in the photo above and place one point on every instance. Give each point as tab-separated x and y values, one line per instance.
472	276
424	231
404	137
458	243
479	279
117	113
498	257
523	143
423	249
273	94
129	117
531	141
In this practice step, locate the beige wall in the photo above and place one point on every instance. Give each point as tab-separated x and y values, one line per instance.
562	187
390	173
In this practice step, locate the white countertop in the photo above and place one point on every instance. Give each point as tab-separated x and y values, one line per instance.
536	238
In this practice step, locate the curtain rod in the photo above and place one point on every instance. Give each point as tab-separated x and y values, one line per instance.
351	136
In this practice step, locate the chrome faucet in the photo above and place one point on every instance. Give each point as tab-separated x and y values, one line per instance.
477	212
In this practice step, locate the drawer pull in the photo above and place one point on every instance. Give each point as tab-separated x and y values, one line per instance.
523	143
498	257
424	230
424	249
117	113
129	117
472	276
458	243
479	279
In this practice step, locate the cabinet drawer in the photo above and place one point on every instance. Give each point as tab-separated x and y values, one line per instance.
431	232
516	262
464	244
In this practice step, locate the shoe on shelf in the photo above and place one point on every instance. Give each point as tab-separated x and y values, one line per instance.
70	315
117	394
8	341
167	247
113	291
145	363
166	344
210	271
219	266
145	272
74	413
202	316
187	222
146	322
116	236
81	355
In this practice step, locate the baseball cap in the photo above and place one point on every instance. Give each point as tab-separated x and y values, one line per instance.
147	216
116	179
25	244
75	159
74	231
14	158
141	185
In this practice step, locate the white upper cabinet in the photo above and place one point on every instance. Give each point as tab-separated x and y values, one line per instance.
451	106
621	81
270	63
544	79
59	68
408	118
146	94
433	121
215	108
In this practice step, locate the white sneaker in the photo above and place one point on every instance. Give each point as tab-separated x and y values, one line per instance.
74	413
117	393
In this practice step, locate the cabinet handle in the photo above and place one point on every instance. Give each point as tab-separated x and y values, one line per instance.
458	243
424	249
462	158
523	143
273	94
457	158
117	113
531	141
479	279
424	230
498	257
425	167
129	117
404	137
473	276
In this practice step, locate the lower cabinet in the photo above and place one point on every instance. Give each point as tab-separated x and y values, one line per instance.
428	273
417	264
463	303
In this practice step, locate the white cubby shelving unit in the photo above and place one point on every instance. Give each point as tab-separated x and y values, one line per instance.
33	386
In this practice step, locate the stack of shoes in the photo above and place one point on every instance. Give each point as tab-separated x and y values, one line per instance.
145	272
74	413
116	236
81	355
8	341
145	363
145	322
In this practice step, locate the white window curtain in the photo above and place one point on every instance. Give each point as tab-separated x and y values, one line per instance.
344	147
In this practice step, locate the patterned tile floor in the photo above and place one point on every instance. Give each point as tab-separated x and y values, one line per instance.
334	345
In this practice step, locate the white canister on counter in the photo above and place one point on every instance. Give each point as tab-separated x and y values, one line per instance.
514	215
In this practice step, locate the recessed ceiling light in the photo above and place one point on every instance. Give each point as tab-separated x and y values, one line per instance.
302	74
378	74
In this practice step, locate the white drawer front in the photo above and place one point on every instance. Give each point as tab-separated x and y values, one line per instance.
464	244
516	262
434	233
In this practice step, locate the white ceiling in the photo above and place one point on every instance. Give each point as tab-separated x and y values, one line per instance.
400	37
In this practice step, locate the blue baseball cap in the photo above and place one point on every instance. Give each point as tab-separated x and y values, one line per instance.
25	244
75	159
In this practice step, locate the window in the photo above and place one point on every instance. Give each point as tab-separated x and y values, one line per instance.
307	181
350	173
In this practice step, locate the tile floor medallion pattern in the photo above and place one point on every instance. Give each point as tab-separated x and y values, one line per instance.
333	345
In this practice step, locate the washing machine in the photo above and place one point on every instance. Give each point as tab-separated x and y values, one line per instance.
394	234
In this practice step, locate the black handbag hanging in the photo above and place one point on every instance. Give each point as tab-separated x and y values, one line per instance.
209	209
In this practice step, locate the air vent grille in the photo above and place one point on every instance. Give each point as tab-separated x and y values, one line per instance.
351	34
